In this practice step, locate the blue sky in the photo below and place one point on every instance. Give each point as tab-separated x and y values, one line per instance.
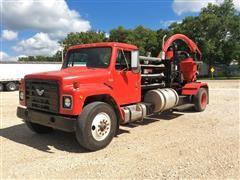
109	14
33	27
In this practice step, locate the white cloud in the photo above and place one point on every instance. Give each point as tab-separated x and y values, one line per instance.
21	56
5	57
237	4
9	35
39	44
49	16
183	6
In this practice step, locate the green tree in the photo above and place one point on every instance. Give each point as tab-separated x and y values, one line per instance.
216	31
145	39
120	34
55	58
84	38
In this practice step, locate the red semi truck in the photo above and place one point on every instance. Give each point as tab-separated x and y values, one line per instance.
103	85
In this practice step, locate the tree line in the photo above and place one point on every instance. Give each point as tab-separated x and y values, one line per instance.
55	58
216	30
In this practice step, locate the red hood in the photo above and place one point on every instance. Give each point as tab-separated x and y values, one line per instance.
79	74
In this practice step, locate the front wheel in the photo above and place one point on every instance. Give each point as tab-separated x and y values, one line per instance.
200	100
96	126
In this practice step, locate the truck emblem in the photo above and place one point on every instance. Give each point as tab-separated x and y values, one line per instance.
40	92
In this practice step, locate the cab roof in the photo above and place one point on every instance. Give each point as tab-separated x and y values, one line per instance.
104	44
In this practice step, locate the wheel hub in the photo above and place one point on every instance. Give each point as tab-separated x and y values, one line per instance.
101	126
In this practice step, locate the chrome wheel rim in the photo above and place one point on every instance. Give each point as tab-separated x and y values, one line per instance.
101	126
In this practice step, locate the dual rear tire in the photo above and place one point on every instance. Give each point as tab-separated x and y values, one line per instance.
10	86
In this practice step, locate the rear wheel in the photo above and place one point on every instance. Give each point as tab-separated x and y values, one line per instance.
11	86
1	87
96	126
37	128
200	100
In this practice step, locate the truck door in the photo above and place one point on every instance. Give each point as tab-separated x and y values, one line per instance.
127	84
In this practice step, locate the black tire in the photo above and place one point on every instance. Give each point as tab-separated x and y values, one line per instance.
11	86
200	100
1	87
87	133
37	128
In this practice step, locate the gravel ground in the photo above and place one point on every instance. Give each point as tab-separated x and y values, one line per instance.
178	145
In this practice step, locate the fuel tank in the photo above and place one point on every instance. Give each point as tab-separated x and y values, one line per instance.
162	99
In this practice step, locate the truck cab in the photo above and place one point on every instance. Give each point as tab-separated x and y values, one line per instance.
99	72
102	85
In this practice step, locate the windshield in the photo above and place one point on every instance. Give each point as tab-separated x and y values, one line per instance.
98	57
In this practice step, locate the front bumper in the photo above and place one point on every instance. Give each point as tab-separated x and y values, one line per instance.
60	122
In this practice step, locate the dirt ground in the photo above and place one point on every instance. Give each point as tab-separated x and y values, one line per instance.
178	145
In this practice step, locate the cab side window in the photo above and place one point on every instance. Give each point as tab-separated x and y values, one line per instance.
122	57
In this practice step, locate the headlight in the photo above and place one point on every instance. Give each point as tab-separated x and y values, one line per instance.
67	102
21	95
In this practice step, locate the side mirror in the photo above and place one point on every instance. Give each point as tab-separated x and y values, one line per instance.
135	61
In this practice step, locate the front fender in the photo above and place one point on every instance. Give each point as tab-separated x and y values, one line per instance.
79	95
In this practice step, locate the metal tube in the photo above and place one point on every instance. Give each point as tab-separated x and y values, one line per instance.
150	58
163	41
